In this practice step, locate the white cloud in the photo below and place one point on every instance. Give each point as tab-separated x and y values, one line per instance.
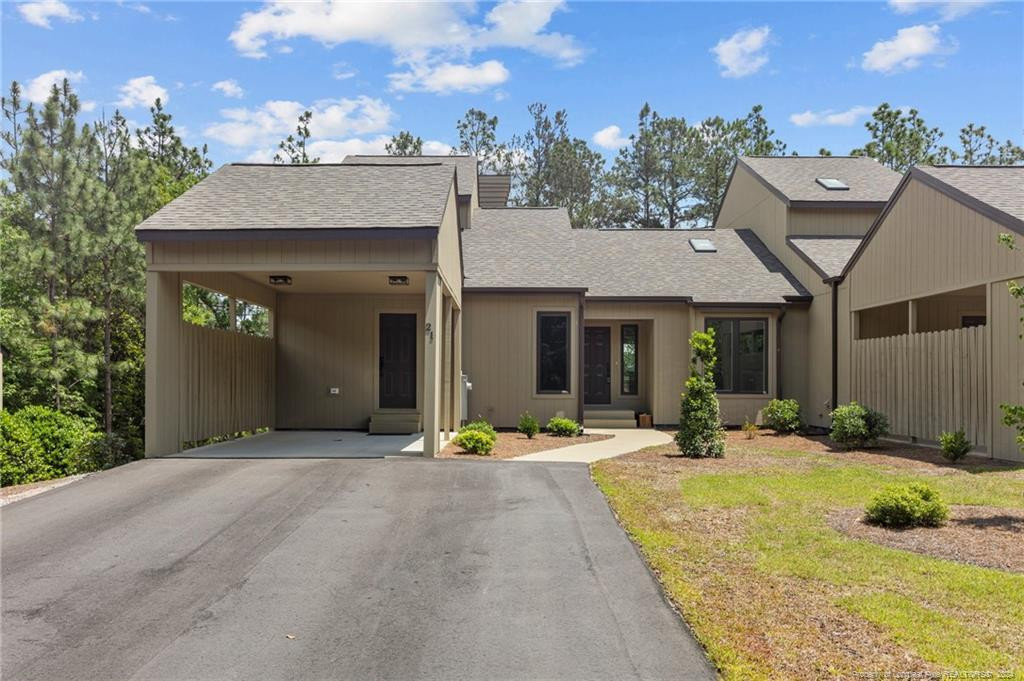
906	49
342	71
947	11
334	151
229	88
275	119
88	105
610	137
38	89
829	117
742	53
141	91
445	78
40	13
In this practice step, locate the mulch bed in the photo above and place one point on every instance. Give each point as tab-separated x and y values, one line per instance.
979	535
511	445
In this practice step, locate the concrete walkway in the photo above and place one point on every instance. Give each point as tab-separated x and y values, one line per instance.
623	441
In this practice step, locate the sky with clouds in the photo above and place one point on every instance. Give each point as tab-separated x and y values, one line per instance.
236	75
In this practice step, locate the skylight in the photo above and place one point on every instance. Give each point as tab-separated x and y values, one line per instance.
831	183
703	245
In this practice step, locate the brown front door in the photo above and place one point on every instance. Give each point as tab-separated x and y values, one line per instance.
597	365
398	361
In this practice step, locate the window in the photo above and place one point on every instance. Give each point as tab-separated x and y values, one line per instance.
742	346
553	352
629	359
831	183
215	310
703	245
252	319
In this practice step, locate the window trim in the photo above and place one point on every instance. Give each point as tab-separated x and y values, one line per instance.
568	353
636	360
767	351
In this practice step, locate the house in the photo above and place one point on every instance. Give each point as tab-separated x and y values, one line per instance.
388	278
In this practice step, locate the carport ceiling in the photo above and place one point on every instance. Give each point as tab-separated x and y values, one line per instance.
340	282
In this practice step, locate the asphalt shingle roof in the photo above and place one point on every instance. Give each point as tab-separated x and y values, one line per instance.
827	255
1001	187
252	196
465	166
537	248
793	177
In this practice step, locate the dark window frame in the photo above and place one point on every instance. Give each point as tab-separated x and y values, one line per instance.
735	352
567	390
636	359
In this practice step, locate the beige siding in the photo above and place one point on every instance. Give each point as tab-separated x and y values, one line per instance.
1007	367
295	254
449	249
499	352
326	341
928	244
748	204
830	221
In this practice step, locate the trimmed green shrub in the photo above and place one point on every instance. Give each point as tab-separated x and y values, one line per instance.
475	441
954	445
913	505
560	427
107	451
782	416
482	425
700	426
528	425
854	425
38	443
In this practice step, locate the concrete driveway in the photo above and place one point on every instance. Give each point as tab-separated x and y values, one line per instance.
331	569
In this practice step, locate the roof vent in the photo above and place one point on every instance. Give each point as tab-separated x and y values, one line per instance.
703	245
831	183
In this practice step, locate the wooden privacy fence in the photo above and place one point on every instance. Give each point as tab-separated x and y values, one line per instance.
926	383
227	382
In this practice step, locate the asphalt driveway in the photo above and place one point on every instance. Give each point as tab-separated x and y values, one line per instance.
331	569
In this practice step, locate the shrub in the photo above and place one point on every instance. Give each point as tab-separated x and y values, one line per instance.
750	430
528	425
700	427
854	425
39	443
782	416
954	445
107	451
913	505
560	427
475	441
481	425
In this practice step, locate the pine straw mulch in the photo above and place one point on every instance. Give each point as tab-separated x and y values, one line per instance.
510	445
979	535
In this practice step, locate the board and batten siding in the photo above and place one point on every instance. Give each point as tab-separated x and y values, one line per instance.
294	253
449	249
838	221
1007	366
331	341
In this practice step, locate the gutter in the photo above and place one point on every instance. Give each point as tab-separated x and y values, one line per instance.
834	283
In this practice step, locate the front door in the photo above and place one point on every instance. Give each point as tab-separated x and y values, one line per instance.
597	365
398	361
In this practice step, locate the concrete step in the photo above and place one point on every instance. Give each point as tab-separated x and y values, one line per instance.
395	423
609	418
609	423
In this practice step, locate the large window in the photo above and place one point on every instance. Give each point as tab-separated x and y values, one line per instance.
553	352
742	355
205	307
629	359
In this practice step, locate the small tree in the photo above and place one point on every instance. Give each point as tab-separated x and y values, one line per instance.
293	147
700	426
404	144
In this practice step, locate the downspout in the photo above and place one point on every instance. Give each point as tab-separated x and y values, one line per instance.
778	354
579	359
835	343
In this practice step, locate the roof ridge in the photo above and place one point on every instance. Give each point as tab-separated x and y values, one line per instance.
336	165
973	165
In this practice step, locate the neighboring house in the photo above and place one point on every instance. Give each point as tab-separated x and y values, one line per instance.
387	278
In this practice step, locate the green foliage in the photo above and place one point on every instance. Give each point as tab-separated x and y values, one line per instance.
700	426
293	147
40	443
479	425
562	427
404	144
954	445
912	505
854	425
749	429
782	416
900	140
528	425
475	441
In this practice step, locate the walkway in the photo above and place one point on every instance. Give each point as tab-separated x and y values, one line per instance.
623	441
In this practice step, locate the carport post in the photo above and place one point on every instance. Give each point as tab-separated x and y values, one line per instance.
432	342
163	366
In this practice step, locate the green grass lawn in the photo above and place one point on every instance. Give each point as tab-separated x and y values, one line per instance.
744	548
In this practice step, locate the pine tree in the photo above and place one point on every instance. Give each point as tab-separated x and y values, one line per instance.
293	147
635	173
404	144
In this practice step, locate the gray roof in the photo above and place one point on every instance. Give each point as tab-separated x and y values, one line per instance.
321	196
536	248
792	178
466	166
827	255
1001	187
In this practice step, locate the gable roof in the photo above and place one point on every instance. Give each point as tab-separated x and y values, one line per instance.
826	255
524	248
997	192
290	198
465	166
793	179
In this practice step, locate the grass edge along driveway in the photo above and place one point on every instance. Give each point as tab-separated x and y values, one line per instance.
743	547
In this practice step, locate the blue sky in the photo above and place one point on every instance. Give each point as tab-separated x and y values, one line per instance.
235	75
